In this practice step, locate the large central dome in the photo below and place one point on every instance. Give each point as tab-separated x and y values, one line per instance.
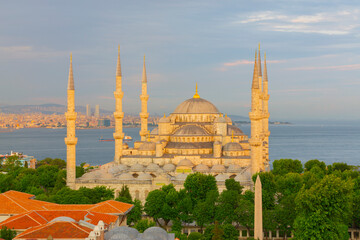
196	105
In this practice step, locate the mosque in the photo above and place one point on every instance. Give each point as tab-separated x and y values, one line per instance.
196	137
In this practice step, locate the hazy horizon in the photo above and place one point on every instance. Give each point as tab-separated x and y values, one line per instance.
312	51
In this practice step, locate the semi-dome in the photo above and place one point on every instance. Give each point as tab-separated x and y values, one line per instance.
147	146
244	177
190	130
202	168
169	167
185	163
231	129
196	105
137	168
232	146
155	131
181	177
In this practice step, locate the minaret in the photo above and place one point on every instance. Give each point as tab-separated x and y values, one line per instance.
258	218
256	122
144	98
266	114
70	139
118	114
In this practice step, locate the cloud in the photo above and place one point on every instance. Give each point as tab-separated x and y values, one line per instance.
226	65
339	67
327	23
28	52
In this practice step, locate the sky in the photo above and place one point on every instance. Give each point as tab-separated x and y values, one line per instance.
312	50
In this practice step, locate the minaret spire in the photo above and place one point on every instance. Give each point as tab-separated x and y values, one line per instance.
118	114
259	62
255	82
71	75
70	139
266	114
144	98
265	77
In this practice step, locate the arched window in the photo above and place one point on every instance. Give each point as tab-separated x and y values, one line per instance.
137	194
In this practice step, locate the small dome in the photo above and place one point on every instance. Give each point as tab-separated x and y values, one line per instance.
126	176
122	167
152	167
244	177
233	129
218	168
63	219
89	175
190	130
169	167
196	105
181	177
155	131
121	236
202	168
164	120
144	176
130	233
147	146
106	175
221	177
220	120
185	163
232	146
233	168
137	168
125	145
228	120
155	233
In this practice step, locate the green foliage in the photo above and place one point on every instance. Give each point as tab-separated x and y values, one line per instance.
47	176
11	163
312	163
338	167
59	163
268	188
135	214
217	232
284	166
324	210
7	233
144	224
195	236
124	195
198	185
79	171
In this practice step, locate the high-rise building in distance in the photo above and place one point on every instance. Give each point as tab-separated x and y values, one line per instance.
97	111
88	110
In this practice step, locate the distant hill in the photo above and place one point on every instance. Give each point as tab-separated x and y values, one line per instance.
238	118
48	108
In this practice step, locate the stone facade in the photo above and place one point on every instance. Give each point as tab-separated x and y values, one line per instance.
196	137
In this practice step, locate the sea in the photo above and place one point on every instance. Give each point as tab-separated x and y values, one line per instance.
328	142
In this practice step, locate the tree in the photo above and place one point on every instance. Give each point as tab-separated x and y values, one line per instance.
312	163
195	236
59	163
228	201
97	194
144	224
124	195
217	232
244	213
11	163
268	189
324	210
284	166
7	233
135	214
338	167
204	212
47	176
198	185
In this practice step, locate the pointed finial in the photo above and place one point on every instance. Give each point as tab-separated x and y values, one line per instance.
71	75
144	79
164	115
259	62
118	67
255	82
265	78
196	95
232	136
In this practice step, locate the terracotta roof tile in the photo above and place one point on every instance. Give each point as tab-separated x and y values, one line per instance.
61	229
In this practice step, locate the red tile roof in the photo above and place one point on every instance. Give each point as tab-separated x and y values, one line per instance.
14	202
56	230
37	218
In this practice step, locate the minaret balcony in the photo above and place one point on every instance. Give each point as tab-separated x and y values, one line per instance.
144	97
70	116
266	115
255	116
255	142
118	94
118	114
144	115
71	140
118	135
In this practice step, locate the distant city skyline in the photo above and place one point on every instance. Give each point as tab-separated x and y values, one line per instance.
312	51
